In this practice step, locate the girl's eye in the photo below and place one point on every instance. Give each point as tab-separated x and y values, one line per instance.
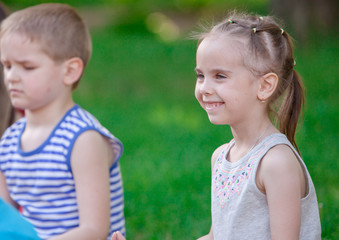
199	76
220	76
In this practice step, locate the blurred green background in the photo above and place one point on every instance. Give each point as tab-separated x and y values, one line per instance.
140	85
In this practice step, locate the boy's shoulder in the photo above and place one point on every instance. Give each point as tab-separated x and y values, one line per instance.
83	120
82	117
15	128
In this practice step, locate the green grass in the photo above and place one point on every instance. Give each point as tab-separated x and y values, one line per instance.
143	91
146	97
318	63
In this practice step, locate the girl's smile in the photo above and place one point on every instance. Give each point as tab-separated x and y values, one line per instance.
212	106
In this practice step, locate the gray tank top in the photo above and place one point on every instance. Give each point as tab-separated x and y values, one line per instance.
239	208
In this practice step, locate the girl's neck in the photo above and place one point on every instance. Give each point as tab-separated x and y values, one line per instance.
246	138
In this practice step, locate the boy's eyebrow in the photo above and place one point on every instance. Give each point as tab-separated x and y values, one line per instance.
23	61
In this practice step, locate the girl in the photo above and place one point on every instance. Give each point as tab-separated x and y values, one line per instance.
261	188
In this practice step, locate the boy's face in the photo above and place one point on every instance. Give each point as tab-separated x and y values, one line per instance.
32	78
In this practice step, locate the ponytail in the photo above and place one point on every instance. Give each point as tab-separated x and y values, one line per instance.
291	108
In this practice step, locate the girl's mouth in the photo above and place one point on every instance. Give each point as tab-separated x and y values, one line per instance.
209	106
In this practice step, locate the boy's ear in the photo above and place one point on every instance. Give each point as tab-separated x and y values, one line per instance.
268	84
73	70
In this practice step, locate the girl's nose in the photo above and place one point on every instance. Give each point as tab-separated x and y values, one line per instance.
206	88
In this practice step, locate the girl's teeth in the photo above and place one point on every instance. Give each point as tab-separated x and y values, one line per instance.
212	105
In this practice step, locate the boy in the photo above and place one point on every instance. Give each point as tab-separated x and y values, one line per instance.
58	163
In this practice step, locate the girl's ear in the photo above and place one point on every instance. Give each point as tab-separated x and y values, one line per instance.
268	84
73	70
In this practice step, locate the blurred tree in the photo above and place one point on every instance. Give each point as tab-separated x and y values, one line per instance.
308	15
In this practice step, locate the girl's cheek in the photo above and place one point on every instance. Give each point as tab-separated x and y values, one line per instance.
196	92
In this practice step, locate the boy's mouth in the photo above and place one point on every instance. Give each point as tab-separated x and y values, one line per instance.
14	91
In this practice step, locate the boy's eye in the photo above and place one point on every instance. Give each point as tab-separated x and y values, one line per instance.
6	65
29	67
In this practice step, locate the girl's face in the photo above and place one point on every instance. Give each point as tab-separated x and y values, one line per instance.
32	78
224	88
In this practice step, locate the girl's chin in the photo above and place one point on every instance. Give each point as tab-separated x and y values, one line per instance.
216	121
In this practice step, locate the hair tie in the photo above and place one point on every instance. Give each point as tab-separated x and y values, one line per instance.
282	31
254	30
230	21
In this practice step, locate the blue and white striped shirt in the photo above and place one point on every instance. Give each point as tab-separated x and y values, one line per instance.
41	181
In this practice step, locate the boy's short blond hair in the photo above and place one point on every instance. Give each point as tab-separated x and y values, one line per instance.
59	29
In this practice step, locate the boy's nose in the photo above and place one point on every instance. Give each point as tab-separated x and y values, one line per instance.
11	75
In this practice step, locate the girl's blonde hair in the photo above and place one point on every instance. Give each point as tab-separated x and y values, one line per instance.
57	27
268	48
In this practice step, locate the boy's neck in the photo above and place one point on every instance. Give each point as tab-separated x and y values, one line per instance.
40	123
48	115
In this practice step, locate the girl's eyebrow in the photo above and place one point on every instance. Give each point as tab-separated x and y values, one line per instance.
221	70
215	70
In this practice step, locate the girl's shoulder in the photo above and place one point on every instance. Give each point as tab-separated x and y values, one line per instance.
217	152
280	156
280	162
